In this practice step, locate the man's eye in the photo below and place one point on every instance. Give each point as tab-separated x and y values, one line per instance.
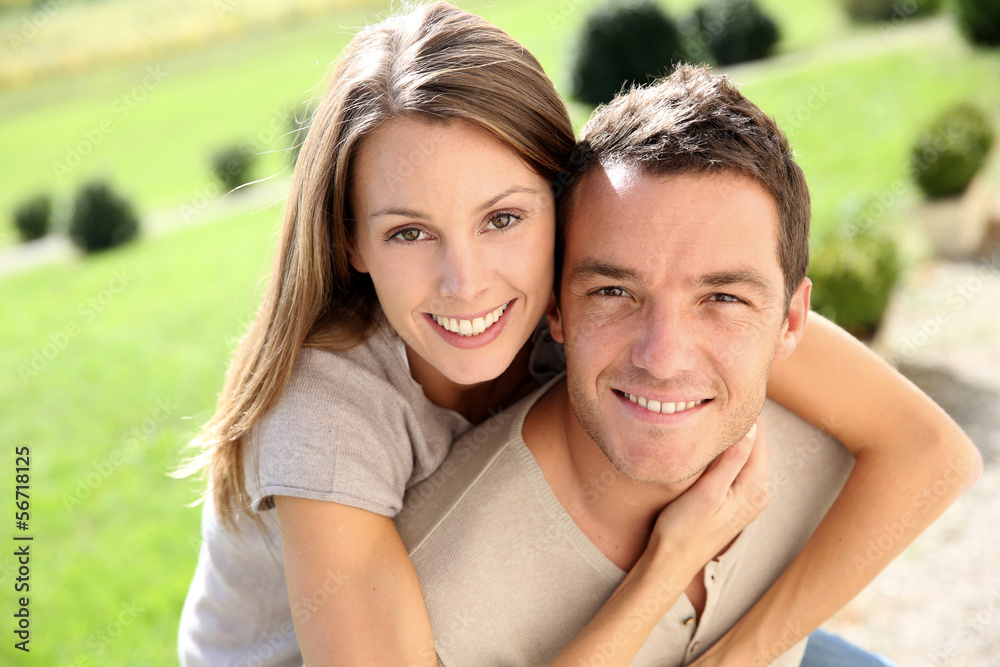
500	221
409	234
725	298
613	292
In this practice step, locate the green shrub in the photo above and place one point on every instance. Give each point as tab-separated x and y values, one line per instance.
853	279
951	151
101	219
873	11
735	31
33	218
232	165
979	20
622	43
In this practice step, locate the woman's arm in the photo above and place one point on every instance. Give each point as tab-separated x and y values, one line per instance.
691	531
356	600
354	594
912	462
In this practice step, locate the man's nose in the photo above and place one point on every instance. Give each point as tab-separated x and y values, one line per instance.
464	270
665	341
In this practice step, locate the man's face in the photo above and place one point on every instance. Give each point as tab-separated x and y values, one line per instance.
672	310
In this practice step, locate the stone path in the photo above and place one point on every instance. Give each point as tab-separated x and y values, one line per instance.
939	603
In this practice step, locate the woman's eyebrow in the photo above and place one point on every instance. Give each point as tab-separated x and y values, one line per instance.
398	210
514	190
417	215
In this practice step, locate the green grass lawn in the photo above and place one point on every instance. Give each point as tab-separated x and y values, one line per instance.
110	365
113	362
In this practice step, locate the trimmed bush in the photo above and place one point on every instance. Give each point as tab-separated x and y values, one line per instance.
853	279
979	20
33	218
873	11
951	151
735	31
232	165
623	43
101	219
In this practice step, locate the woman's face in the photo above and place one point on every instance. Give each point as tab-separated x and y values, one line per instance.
457	234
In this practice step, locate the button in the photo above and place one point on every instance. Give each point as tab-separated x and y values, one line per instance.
695	646
689	622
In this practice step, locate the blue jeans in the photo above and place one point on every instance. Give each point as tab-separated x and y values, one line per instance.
826	650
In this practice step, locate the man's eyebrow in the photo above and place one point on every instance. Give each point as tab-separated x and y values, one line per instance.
588	268
417	215
748	276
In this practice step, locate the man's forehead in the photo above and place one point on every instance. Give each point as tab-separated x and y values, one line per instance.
625	211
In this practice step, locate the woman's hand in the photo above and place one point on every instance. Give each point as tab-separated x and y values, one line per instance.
690	531
703	520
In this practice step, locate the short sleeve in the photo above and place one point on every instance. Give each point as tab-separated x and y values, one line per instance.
341	432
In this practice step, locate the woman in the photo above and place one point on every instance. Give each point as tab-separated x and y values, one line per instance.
434	147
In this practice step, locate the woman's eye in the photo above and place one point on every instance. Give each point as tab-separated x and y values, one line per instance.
409	234
502	221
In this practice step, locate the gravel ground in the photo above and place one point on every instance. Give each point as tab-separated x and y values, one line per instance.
939	603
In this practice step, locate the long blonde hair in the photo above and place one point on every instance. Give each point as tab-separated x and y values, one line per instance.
436	61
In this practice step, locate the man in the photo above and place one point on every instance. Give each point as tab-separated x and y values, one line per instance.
682	261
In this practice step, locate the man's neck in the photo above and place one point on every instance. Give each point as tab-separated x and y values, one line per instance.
615	512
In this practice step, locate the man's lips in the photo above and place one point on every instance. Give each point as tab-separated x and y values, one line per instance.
662	406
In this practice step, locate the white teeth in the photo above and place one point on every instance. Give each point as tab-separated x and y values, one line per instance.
663	407
471	327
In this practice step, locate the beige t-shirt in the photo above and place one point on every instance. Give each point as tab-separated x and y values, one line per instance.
509	578
351	427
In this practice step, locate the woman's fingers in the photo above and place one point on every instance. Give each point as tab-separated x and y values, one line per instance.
750	489
719	476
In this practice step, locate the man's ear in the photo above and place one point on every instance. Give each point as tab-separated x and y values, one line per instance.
356	260
554	316
795	323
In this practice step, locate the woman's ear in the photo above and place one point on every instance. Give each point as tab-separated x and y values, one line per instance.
356	260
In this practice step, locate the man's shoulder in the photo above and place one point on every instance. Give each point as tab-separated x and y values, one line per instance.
801	449
472	462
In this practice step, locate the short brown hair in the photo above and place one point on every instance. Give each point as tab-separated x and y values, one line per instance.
696	121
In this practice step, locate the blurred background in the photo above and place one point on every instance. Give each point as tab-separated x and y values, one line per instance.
146	151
